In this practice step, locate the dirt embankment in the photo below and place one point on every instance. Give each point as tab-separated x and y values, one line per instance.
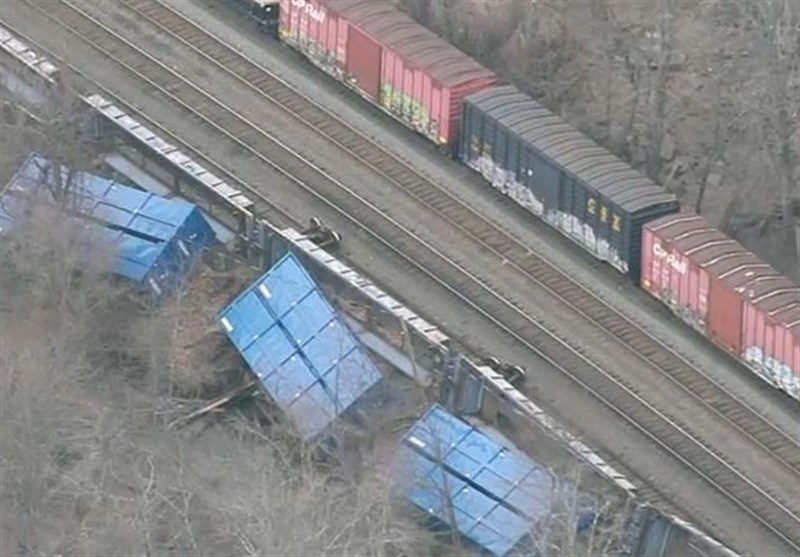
701	96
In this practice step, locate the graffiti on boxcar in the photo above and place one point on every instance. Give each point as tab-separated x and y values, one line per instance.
586	235
671	259
315	13
402	104
591	208
507	182
773	370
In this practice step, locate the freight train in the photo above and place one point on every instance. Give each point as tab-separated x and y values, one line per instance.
579	188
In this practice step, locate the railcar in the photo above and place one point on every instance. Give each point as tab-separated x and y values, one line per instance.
727	293
389	59
560	175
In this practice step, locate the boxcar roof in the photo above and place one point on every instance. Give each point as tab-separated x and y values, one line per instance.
420	46
570	149
729	261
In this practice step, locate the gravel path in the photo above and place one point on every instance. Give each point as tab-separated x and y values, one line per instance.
550	387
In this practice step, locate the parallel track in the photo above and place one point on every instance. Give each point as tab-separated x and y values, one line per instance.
536	267
765	508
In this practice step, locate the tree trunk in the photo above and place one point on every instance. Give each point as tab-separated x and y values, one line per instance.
660	91
717	147
635	74
599	10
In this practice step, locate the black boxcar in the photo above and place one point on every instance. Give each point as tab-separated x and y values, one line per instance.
562	176
264	12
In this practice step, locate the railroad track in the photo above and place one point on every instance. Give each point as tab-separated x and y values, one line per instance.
266	208
534	266
766	508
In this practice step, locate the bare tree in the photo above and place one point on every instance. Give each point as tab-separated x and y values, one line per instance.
722	119
56	132
47	325
299	509
582	522
659	90
779	21
86	381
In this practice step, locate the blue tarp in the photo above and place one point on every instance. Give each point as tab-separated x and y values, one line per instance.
301	351
155	241
495	495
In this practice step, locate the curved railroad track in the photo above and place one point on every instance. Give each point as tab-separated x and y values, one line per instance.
767	509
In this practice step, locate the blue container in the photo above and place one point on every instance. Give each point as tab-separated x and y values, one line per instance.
496	495
155	241
304	355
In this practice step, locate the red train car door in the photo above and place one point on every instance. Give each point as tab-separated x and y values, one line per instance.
725	317
364	62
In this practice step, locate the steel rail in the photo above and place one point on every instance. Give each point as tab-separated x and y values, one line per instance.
268	209
695	383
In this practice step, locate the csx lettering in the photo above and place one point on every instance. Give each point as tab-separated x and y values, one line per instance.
672	260
317	14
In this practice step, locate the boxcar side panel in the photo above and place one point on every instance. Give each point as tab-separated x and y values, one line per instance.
363	62
423	95
771	349
405	86
571	217
619	238
650	265
439	99
316	31
413	96
740	303
544	180
606	240
454	100
725	317
393	76
486	140
450	119
467	149
388	70
360	40
670	276
340	39
501	144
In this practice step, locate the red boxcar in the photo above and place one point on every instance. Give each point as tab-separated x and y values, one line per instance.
389	59
713	283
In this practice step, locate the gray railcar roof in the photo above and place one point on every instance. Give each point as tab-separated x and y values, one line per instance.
393	28
595	166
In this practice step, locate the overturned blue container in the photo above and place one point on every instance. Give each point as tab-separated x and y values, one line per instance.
462	478
155	241
303	354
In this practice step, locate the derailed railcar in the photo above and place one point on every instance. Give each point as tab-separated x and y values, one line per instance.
389	59
553	170
727	293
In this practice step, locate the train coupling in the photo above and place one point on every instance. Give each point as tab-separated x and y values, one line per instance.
320	234
513	373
